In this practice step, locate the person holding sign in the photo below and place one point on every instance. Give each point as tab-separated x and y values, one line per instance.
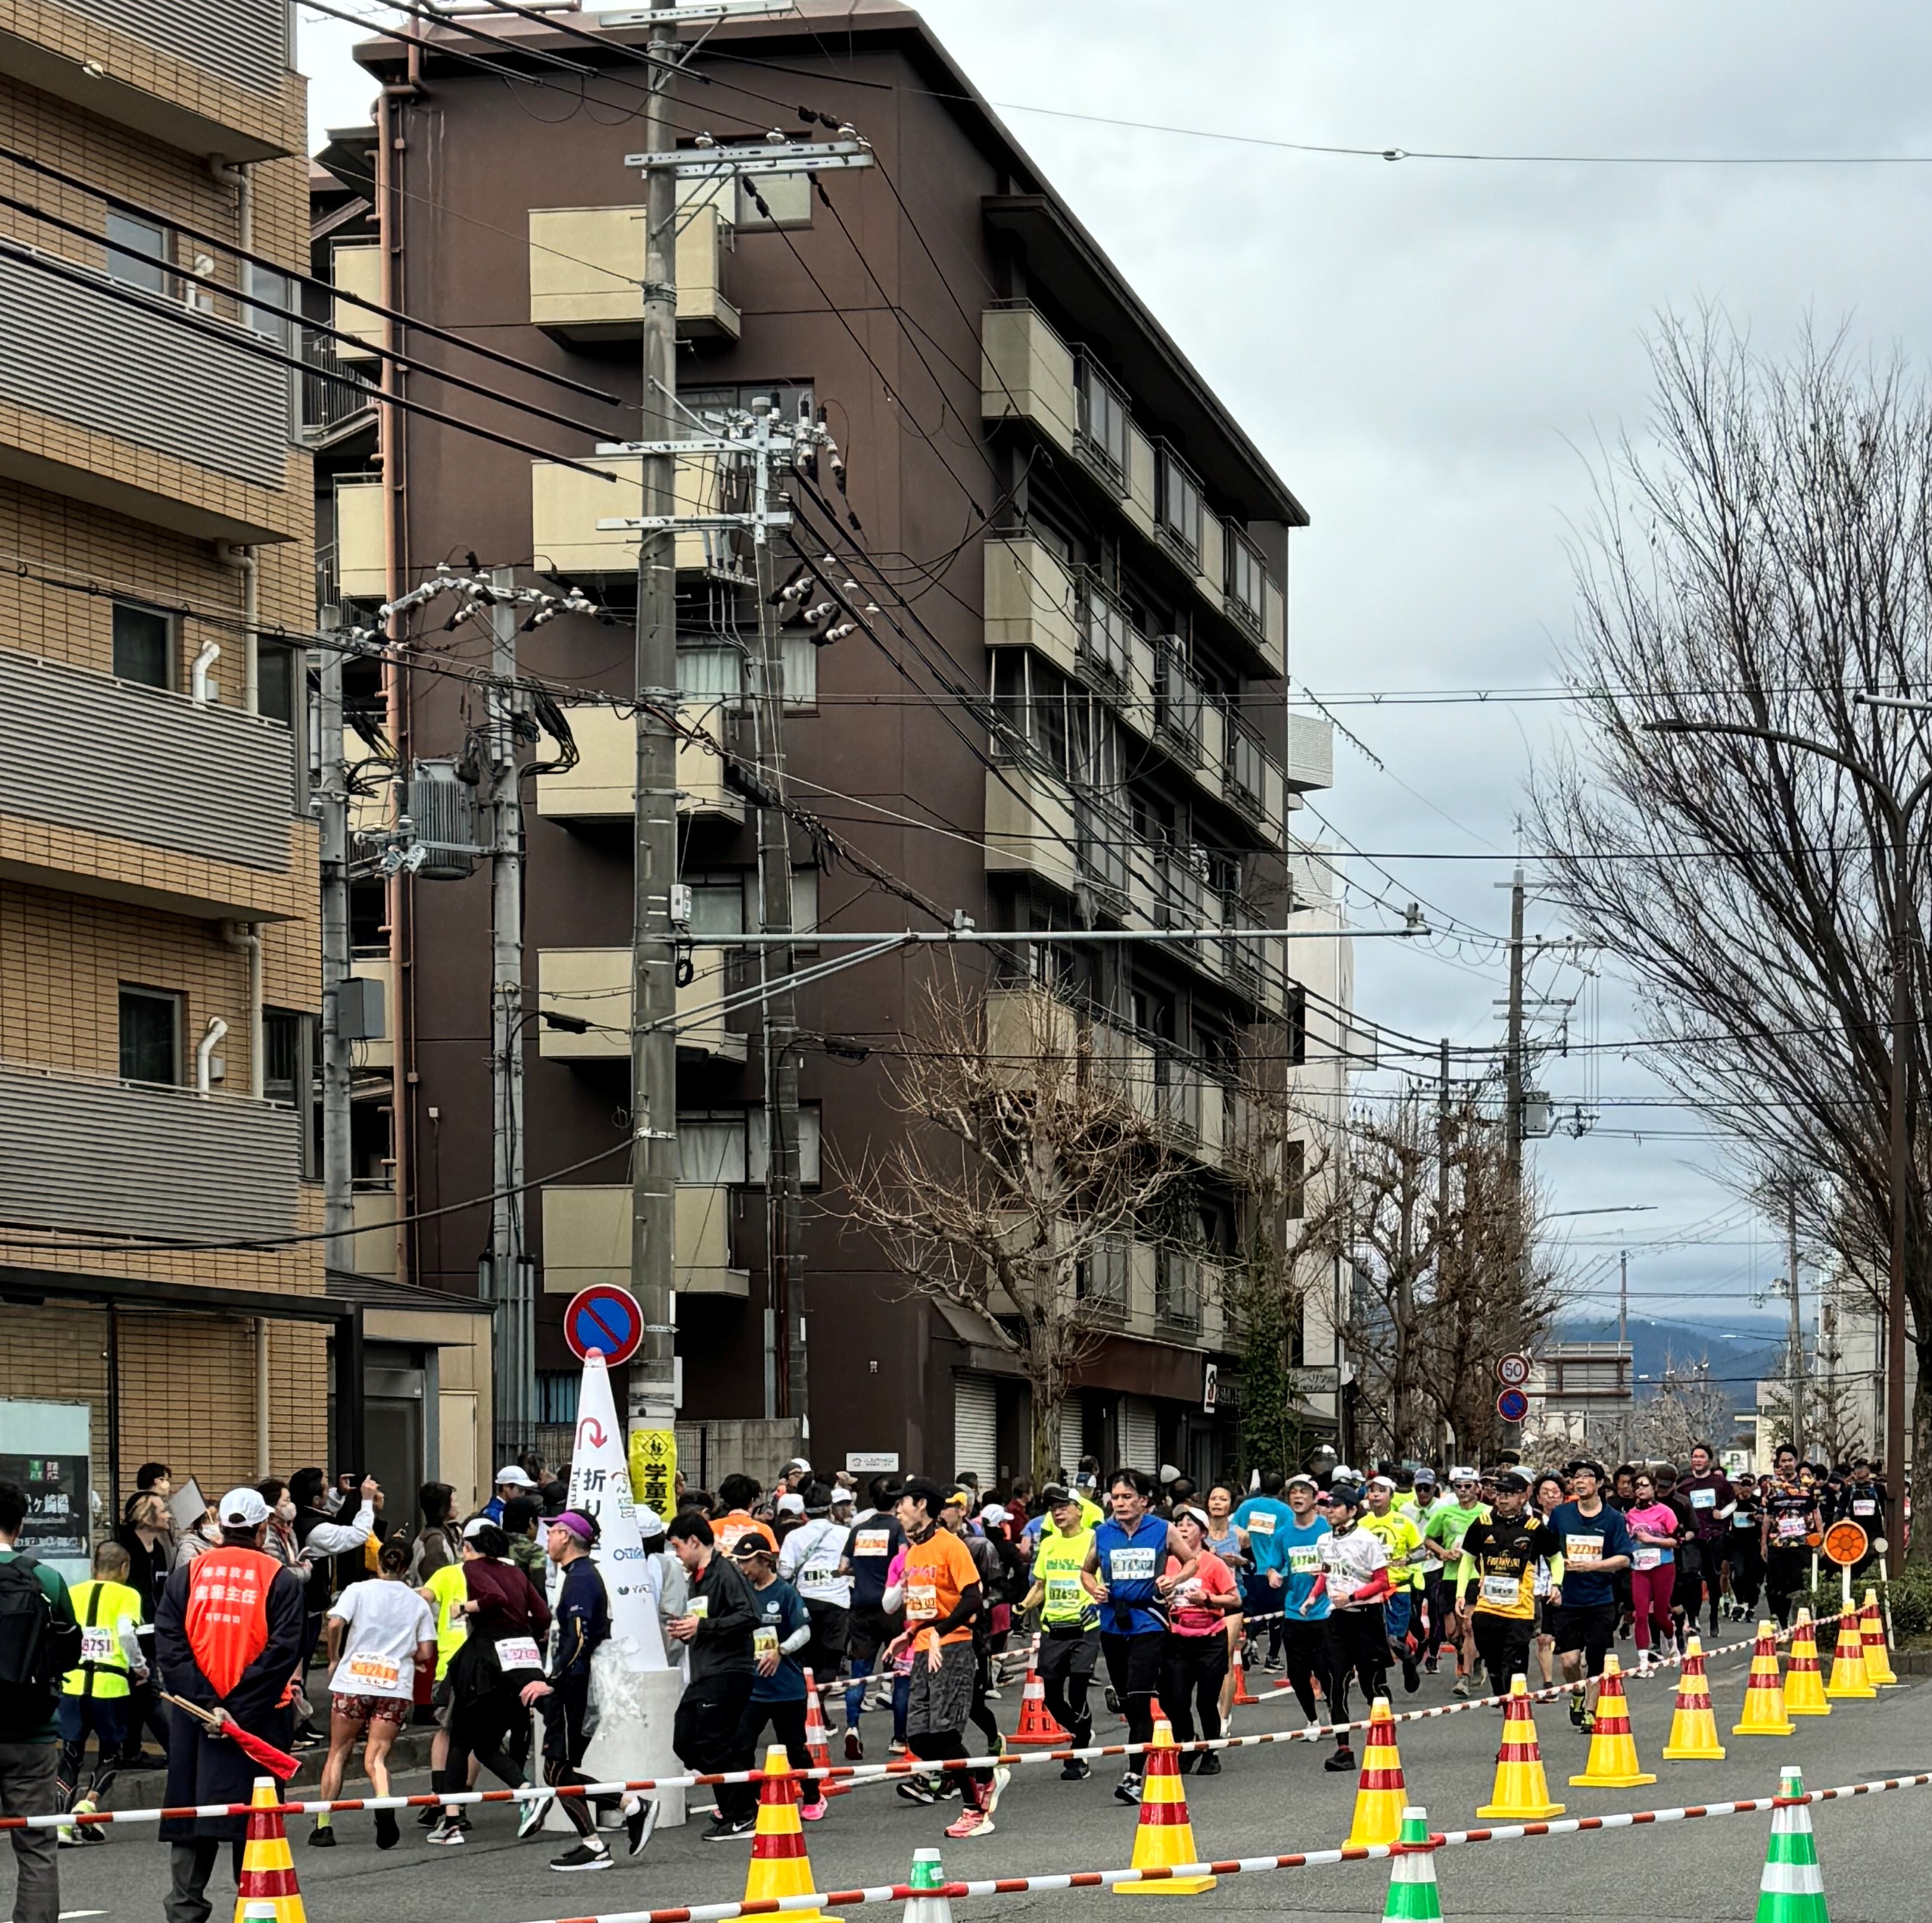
378	1633
1596	1545
1499	1562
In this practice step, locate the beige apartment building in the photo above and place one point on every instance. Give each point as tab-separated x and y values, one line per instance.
159	974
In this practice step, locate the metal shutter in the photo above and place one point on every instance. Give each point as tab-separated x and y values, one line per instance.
976	1440
1140	1434
1072	1434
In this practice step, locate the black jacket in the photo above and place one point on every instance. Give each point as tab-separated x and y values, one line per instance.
723	1644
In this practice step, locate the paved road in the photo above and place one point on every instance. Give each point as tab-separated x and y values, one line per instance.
1271	1799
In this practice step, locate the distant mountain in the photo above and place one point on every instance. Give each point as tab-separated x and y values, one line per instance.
1740	1348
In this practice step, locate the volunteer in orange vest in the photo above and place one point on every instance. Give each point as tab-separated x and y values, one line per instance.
228	1634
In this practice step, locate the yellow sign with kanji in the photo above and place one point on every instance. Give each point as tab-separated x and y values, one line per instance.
653	1461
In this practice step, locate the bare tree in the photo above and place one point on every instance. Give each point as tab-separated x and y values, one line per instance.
1832	1430
1031	1166
1686	1409
1764	558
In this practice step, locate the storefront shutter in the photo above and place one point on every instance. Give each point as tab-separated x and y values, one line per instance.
976	1443
1140	1434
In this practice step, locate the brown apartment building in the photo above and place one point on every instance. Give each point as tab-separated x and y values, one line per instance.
1069	713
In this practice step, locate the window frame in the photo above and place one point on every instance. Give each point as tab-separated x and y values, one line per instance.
170	645
1100	402
120	249
131	992
1170	469
1239	555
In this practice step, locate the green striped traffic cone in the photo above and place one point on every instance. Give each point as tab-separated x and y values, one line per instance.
1792	1891
1412	1897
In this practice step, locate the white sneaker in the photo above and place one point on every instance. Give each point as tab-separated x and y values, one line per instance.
535	1811
1313	1731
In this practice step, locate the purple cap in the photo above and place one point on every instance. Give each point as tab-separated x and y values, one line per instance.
579	1526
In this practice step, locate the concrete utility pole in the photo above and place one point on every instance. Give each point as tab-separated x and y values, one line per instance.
511	1276
1513	1103
331	793
1797	1327
784	1238
654	834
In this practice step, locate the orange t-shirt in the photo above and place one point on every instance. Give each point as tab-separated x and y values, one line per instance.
728	1529
936	1571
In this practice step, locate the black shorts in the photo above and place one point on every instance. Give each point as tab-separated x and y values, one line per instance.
831	1633
1067	1652
1590	1628
867	1630
1133	1662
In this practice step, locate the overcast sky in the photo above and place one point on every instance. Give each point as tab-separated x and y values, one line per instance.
1428	351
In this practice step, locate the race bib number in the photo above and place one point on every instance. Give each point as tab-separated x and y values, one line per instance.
1502	1591
818	1576
1303	1559
97	1645
699	1606
365	1674
1065	1593
1703	1499
1261	1524
1790	1528
1646	1555
872	1542
1741	1521
764	1643
518	1652
1864	1505
1131	1565
1584	1549
922	1600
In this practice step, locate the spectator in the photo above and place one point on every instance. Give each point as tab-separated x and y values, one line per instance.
150	1479
318	1538
716	1629
513	1479
520	1525
149	1541
439	1537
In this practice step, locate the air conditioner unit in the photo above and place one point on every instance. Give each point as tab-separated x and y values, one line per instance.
443	820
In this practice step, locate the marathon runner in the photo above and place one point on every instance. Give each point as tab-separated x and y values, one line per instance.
1402	1536
1789	1520
1499	1563
1595	1546
1448	1520
1354	1579
1292	1588
1069	1620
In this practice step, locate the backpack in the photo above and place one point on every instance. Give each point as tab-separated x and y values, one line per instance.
31	1662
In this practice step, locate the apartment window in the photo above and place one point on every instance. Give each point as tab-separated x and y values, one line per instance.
1103	421
144	645
711	1148
1294	1178
264	284
717	908
288	1043
1177	503
1297	1024
788	400
708	674
557	1396
801	671
151	1027
1031	697
1100	1276
1106	630
1247	577
137	253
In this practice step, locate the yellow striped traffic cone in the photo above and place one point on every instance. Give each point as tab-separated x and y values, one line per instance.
1611	1764
780	1867
1764	1694
1878	1658
1693	1725
1381	1796
1164	1836
1803	1682
1522	1791
266	1887
1849	1681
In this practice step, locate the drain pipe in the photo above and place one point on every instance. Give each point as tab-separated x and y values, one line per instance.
242	180
231	554
246	935
263	1466
204	1055
202	689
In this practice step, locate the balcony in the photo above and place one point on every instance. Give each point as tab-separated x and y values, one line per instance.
372	1251
1026	371
587	267
566	504
182	427
1103	1280
1029	826
362	565
594	984
90	765
1107	638
1125	1064
1177	706
355	268
1105	847
1025	1025
601	787
587	1240
1311	753
1030	601
338	397
81	1151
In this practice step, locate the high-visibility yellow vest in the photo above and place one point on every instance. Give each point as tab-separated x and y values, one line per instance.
99	1607
1056	1565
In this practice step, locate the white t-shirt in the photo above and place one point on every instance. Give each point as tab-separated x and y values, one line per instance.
1351	1561
382	1622
809	1559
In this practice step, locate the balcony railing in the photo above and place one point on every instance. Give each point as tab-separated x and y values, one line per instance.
1245	775
334	392
1183	889
1177	704
1179	1091
1100	436
1177	1290
1106	632
1101	845
1100	1278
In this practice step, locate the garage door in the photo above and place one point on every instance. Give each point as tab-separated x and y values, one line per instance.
1140	1434
976	1440
1072	1434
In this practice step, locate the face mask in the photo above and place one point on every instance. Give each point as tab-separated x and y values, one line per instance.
286	1510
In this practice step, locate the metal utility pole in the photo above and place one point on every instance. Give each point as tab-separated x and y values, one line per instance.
654	821
1797	1328
332	794
1623	1336
512	1277
1513	1104
784	1237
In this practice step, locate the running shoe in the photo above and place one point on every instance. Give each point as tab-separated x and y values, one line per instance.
973	1820
1209	1764
918	1789
1429	1663
535	1811
729	1829
1576	1715
1313	1729
585	1856
1344	1758
322	1836
989	1792
1075	1769
896	1748
812	1812
640	1820
387	1832
1128	1790
1412	1680
446	1833
855	1749
1113	1700
1462	1688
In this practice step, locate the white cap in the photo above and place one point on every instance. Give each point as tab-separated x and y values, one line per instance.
1168	1473
994	1514
649	1522
791	1504
1306	1482
512	1474
475	1526
798	1462
1381	1482
1461	1473
243	1508
1341	1472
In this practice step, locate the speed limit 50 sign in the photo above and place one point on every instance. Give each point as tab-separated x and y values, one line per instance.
1513	1371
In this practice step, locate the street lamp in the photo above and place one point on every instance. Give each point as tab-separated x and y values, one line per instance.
1898	813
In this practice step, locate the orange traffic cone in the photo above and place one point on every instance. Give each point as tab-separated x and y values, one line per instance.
1878	1657
1764	1694
1243	1694
1612	1763
1381	1796
780	1867
1693	1727
1037	1730
1804	1684
1164	1836
1521	1793
1848	1679
818	1747
267	1886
